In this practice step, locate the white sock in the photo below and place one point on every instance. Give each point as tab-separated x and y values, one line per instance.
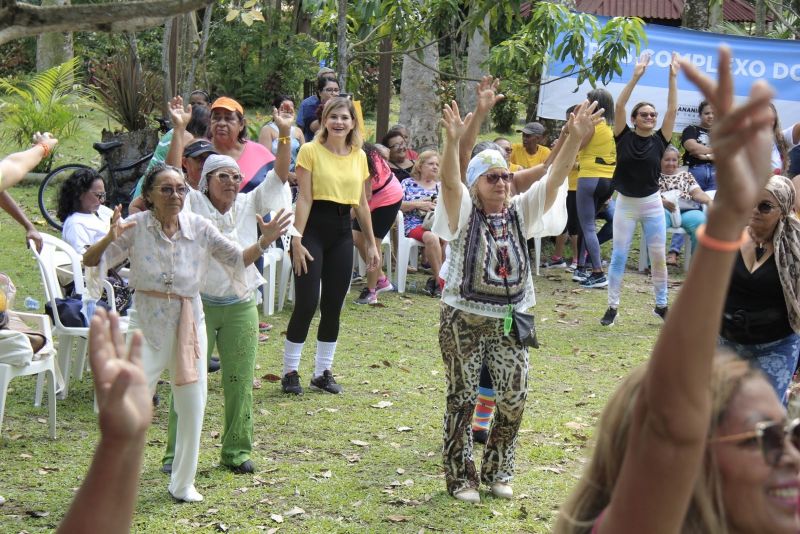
291	356
324	360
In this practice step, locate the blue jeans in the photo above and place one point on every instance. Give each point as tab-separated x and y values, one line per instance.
650	212
690	220
778	360
705	175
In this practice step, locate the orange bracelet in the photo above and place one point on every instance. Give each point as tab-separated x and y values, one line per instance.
45	148
718	245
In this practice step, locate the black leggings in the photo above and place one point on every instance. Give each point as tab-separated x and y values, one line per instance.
329	240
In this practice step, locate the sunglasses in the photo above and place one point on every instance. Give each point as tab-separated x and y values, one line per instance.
765	207
225	177
398	146
768	435
100	196
169	191
648	114
495	177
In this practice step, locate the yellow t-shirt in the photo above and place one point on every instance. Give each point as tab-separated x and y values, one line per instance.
601	147
335	178
513	167
572	177
521	157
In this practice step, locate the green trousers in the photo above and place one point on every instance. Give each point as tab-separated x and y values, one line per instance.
233	328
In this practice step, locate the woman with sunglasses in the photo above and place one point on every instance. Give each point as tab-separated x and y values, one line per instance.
761	318
691	441
490	273
639	152
80	207
169	251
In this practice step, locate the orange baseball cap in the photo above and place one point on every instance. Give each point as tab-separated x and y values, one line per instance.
230	104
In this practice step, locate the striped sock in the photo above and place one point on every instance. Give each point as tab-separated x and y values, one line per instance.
484	409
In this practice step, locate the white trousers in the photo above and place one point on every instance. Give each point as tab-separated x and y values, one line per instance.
190	404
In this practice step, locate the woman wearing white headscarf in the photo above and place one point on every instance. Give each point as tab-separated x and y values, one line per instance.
761	320
489	276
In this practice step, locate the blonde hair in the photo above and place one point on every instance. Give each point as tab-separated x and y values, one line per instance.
416	170
593	492
354	138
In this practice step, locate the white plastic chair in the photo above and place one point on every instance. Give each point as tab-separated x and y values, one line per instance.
43	367
405	245
286	280
53	249
386	249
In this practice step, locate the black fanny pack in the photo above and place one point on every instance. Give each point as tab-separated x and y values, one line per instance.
741	322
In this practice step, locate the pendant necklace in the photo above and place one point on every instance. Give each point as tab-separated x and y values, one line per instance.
760	246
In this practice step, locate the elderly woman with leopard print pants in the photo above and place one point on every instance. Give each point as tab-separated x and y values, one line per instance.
489	273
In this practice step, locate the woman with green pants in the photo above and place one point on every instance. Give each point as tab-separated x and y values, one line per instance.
232	321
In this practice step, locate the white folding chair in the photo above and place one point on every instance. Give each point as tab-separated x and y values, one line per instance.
386	250
405	245
52	250
44	367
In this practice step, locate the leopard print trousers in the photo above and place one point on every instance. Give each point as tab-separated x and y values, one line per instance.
466	341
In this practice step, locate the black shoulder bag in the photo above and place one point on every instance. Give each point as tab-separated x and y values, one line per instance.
520	323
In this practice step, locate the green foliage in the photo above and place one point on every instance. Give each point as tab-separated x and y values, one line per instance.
17	57
505	113
255	64
46	102
127	92
520	58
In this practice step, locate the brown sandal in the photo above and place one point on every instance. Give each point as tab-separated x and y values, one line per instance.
672	259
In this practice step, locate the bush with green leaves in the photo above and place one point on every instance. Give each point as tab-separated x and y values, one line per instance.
45	102
127	92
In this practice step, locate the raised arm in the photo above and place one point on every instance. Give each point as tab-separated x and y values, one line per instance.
14	167
666	441
622	100
454	128
672	98
180	117
93	254
581	121
487	98
284	156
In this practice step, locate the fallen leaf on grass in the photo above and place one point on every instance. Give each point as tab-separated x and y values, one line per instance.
555	470
327	474
212	511
37	513
408	482
214	434
294	511
222	527
272	531
400	470
256	383
398	518
404	429
25	456
41	420
44	470
386	363
352	458
359	443
269	377
575	425
382	404
276	517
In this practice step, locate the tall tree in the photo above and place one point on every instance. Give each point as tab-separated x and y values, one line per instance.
419	105
53	48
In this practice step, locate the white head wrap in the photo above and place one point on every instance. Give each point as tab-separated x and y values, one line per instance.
482	162
214	162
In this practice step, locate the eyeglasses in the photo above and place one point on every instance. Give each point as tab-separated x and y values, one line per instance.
765	207
225	177
495	177
100	196
648	114
508	150
168	191
770	436
398	146
332	90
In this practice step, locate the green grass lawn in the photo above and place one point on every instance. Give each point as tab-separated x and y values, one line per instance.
305	450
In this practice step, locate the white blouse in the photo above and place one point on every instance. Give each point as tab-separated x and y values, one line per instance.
534	222
240	226
82	230
177	265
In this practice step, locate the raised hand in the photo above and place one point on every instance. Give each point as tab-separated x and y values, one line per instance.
584	118
488	95
674	65
179	115
283	121
45	138
641	65
454	126
124	401
741	136
276	227
118	224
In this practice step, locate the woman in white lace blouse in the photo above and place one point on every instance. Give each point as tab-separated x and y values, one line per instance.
169	251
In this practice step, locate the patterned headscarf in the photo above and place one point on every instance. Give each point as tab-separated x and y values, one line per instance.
214	162
482	162
786	242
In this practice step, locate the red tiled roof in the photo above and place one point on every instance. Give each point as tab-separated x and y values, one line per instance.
732	10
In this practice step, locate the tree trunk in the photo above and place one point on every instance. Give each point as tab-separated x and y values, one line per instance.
166	64
341	45
199	54
761	18
384	89
53	48
696	14
477	52
419	107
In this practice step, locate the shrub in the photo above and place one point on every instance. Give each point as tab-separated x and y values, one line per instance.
505	113
126	92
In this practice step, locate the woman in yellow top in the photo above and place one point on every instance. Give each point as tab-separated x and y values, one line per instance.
330	172
597	160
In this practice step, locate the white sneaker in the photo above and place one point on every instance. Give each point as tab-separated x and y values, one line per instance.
502	490
468	495
191	495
